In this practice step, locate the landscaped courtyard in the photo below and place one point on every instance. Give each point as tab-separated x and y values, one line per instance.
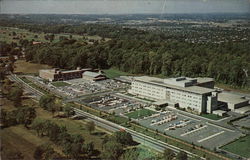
140	113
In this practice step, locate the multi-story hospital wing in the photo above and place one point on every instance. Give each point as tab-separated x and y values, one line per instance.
196	94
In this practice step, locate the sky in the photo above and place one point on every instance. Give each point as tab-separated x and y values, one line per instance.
123	6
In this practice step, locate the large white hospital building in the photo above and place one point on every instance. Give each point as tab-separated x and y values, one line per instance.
196	94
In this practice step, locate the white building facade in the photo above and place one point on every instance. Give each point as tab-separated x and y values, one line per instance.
182	90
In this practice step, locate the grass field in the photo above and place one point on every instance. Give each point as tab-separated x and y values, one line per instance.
213	116
113	73
29	68
19	139
60	84
140	113
240	146
76	127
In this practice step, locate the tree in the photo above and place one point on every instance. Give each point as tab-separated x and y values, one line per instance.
38	126
26	115
11	118
131	154
90	126
105	140
3	118
56	107
112	150
89	149
13	33
47	102
15	95
44	151
76	150
68	110
123	137
10	67
168	154
72	145
6	87
182	156
38	154
11	59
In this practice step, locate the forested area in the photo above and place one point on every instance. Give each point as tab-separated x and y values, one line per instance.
225	62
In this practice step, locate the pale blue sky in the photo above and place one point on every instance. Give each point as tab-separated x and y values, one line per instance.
123	6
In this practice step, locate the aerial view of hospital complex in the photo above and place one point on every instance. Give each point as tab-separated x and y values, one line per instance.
172	86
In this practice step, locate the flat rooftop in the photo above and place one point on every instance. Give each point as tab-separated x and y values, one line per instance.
62	71
243	110
204	79
92	74
230	98
160	82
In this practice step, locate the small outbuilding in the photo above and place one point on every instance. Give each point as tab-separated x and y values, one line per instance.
219	112
93	76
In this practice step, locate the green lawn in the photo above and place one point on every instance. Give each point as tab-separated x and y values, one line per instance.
213	116
60	84
117	119
240	146
140	113
145	153
113	73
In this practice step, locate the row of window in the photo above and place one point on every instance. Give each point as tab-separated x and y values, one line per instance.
145	86
146	90
149	94
185	95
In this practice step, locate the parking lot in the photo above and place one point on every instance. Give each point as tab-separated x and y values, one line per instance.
80	87
244	122
189	129
112	103
170	122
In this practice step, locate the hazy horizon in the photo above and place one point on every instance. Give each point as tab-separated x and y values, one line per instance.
123	6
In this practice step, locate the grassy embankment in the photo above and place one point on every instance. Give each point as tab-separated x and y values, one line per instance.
213	116
114	73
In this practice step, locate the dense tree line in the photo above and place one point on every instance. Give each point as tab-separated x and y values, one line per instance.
225	62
